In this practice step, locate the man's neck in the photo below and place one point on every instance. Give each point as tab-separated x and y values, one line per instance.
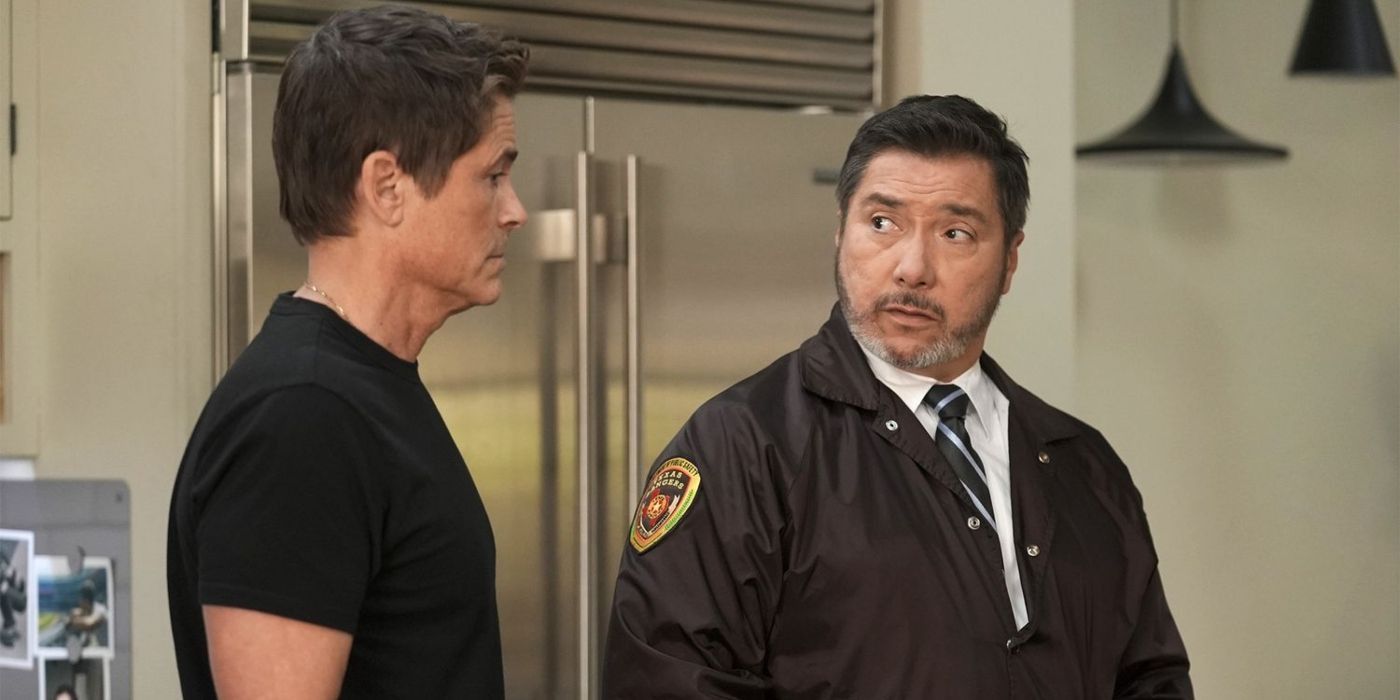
373	296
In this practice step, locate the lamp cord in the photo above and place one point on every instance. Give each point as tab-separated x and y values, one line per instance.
1175	20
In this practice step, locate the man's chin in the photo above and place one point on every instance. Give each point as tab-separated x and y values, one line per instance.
485	292
899	352
905	357
910	353
466	302
902	344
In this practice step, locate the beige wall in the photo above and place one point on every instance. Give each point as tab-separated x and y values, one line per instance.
116	211
1239	342
1017	59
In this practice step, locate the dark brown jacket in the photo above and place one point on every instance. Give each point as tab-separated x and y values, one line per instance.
828	554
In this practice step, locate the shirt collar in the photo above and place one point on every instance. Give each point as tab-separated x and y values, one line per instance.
987	400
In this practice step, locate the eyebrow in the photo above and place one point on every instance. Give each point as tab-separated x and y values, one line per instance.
892	202
507	156
884	200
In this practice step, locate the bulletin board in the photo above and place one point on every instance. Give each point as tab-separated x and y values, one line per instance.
65	589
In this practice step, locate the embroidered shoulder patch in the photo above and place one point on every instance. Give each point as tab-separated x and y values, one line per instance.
664	502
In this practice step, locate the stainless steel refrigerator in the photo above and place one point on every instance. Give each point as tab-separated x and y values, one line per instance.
708	239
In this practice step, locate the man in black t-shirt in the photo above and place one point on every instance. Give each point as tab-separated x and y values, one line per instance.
326	539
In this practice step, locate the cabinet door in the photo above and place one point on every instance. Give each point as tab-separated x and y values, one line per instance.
6	113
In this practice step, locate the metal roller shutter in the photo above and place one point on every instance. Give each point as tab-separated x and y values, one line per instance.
794	53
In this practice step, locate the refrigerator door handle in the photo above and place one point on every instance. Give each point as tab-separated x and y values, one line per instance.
588	426
233	234
553	235
634	342
232	30
219	209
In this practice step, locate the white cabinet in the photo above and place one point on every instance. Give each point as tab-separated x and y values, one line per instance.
20	371
7	112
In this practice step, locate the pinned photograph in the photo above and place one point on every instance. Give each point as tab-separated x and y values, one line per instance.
75	608
87	679
17	602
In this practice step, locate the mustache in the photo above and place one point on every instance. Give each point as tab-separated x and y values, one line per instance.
912	300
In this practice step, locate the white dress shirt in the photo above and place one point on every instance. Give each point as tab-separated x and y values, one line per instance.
986	423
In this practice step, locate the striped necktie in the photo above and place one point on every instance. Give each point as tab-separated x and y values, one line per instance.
949	402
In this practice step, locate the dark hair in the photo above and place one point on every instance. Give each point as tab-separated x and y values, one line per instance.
391	78
932	126
65	690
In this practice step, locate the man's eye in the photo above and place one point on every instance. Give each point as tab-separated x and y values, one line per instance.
957	234
881	223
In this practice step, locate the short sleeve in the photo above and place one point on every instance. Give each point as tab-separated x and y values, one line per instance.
286	523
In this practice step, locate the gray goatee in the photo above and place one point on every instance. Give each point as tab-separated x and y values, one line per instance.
945	348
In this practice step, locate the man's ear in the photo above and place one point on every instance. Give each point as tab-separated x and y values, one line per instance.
1013	255
383	188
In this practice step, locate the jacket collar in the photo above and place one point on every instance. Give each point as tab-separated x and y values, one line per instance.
1043	420
833	367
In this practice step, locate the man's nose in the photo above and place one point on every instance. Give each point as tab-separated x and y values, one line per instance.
913	270
513	214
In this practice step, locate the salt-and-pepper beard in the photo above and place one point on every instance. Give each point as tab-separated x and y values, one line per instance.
947	347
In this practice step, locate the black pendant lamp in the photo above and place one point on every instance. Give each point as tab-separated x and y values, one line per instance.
1342	37
1176	128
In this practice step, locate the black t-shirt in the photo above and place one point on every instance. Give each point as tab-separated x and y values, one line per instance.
321	484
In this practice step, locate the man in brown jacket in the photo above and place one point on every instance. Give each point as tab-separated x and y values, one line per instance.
884	513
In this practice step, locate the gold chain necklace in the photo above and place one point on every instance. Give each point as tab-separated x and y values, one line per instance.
328	299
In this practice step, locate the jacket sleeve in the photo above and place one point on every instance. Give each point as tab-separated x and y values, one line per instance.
691	614
1154	664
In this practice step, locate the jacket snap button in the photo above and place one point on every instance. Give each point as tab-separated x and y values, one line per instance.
1044	457
974	523
1033	550
891	425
